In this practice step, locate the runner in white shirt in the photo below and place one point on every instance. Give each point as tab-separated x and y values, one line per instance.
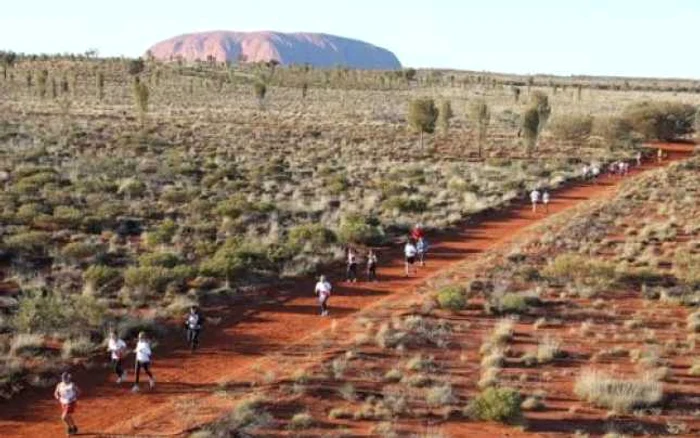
67	393
117	350
585	172
595	171
534	199
410	252
323	291
351	272
639	159
545	200
143	361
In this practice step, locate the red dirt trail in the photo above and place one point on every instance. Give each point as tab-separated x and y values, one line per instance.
250	338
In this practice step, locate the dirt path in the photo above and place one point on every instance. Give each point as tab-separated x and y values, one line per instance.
250	341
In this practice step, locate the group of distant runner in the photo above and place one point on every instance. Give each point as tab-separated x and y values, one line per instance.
67	391
415	252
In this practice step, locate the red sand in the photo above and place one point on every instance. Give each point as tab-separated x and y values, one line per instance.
251	335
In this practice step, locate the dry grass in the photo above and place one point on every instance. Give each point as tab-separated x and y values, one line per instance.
620	395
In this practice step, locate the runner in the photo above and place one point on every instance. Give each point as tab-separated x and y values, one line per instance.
621	167
117	349
545	200
639	158
193	324
595	172
586	172
410	251
67	393
660	155
323	291
143	361
534	199
417	232
422	250
372	266
351	271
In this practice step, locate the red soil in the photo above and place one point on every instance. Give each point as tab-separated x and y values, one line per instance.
251	339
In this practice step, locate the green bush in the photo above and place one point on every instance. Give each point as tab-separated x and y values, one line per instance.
130	327
660	120
497	404
147	280
452	298
51	313
315	236
78	347
98	276
513	303
581	270
686	266
162	259
357	229
572	127
406	204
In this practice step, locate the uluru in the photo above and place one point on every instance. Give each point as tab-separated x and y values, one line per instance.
316	49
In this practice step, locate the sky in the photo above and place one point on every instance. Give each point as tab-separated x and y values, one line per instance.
600	37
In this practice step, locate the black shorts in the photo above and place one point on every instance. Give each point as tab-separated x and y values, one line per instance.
411	260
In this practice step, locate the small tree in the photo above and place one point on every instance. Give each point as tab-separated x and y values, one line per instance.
516	94
422	115
481	116
260	91
29	80
41	81
100	85
64	85
530	128
54	88
7	59
141	95
304	89
136	67
444	115
544	110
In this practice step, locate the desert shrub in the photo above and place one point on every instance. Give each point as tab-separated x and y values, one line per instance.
312	236
76	252
31	243
686	267
130	327
162	234
147	280
359	230
162	259
510	302
615	131
98	276
27	345
581	270
301	421
618	394
496	404
452	298
406	204
340	413
660	120
235	257
439	396
572	127
549	349
78	347
50	313
247	415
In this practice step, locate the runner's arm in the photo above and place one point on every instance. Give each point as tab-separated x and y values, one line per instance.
56	394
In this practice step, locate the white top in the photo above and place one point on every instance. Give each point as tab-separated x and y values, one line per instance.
116	347
323	288
534	196
143	351
352	258
67	392
409	250
545	197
